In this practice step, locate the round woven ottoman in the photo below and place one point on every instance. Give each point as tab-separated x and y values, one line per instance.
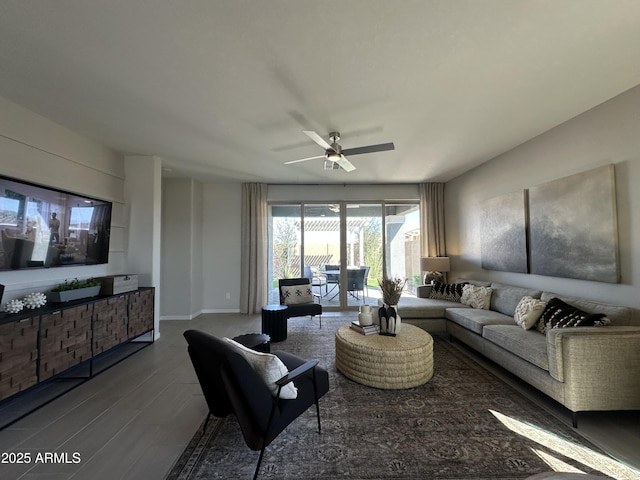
403	361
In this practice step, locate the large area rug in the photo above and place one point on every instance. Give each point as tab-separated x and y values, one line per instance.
465	423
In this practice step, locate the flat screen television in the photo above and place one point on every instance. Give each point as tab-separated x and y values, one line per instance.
43	227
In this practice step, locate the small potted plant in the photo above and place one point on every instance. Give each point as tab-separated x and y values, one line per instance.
391	290
75	290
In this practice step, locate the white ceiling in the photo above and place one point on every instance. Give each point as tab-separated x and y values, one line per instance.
222	89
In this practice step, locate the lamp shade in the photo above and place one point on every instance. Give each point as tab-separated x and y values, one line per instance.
434	264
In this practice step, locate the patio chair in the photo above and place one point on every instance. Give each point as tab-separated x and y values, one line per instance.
317	280
297	294
355	282
366	278
333	278
231	385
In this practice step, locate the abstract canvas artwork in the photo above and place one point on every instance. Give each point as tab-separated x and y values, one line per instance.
574	228
504	234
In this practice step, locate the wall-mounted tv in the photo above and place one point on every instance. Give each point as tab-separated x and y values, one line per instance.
46	227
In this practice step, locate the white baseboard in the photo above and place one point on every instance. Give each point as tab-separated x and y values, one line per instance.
221	310
180	317
196	314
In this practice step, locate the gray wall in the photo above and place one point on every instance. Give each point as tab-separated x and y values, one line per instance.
221	227
181	291
609	133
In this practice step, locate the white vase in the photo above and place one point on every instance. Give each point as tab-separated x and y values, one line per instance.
365	316
365	319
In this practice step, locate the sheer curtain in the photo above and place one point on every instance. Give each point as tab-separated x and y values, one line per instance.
253	280
432	219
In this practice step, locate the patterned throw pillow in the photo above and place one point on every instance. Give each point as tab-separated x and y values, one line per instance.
476	297
269	367
559	314
528	311
445	291
295	294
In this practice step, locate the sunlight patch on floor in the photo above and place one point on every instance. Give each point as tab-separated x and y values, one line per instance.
562	446
555	463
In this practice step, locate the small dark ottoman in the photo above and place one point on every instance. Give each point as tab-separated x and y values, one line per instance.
255	341
274	322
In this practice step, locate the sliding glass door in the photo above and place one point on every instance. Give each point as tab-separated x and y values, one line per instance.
364	253
285	235
322	251
344	248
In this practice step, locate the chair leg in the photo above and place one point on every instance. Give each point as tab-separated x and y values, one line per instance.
318	414
206	422
264	440
255	475
315	393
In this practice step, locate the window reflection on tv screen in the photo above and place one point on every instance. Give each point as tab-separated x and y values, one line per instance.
45	227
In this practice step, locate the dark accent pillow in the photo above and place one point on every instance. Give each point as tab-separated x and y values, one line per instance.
559	314
447	291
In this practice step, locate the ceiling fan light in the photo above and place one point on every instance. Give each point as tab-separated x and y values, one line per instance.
329	165
333	156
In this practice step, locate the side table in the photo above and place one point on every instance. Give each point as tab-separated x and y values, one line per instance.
255	341
274	322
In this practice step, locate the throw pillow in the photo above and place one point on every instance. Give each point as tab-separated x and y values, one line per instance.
295	294
528	311
444	291
269	367
559	314
476	297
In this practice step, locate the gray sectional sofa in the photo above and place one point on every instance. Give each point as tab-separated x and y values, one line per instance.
583	368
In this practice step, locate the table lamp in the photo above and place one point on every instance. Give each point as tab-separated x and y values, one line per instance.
434	268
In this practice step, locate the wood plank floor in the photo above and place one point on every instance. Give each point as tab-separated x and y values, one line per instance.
133	420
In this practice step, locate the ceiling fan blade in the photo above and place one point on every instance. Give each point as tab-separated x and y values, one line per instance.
382	147
303	159
318	139
345	164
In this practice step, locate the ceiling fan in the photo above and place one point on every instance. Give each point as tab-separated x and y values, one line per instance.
334	155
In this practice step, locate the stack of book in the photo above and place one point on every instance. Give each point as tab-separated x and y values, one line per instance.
364	330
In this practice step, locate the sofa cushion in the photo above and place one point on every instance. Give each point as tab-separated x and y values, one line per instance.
559	314
529	311
476	297
529	345
619	315
446	291
505	298
412	307
475	319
